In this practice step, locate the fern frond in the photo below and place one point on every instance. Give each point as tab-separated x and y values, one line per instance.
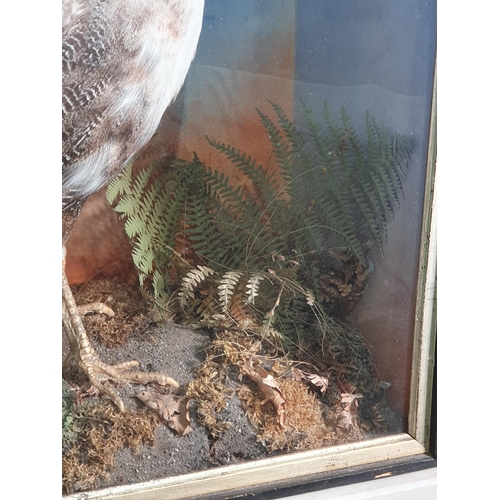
241	313
294	137
310	299
318	137
227	287
208	310
253	287
240	159
191	281
120	184
328	189
282	152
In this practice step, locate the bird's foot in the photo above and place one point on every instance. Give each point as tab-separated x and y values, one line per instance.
103	377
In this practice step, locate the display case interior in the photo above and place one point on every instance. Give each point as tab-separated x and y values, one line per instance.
272	249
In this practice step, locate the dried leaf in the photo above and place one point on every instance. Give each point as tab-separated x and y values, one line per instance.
351	400
349	403
320	382
173	409
267	384
297	374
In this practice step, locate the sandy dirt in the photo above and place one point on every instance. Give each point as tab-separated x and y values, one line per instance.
176	351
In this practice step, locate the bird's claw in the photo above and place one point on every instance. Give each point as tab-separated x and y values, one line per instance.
103	377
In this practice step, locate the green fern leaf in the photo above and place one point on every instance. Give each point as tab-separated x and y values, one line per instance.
120	184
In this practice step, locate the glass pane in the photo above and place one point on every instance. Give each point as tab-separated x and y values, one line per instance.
263	248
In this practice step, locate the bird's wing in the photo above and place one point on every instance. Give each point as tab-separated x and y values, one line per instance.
124	61
92	76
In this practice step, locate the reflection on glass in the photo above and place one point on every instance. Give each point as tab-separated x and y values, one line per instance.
273	223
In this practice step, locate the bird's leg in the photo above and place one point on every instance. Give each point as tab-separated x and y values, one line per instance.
100	375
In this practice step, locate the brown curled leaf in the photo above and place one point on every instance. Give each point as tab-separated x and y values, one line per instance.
320	383
174	409
269	387
349	404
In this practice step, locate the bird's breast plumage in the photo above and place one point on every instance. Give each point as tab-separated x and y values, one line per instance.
124	61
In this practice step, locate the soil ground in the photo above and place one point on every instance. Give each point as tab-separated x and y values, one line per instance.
176	351
157	452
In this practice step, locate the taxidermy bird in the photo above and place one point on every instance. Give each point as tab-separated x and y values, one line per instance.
123	62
